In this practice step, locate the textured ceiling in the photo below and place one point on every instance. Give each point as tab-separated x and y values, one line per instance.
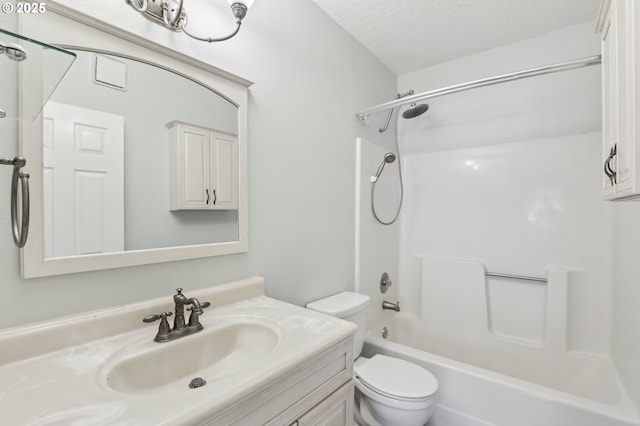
407	35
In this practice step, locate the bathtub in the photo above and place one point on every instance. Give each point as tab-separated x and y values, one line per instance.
504	384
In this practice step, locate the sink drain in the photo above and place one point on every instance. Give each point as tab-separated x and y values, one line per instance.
197	382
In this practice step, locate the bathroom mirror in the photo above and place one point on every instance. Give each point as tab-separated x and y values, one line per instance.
116	87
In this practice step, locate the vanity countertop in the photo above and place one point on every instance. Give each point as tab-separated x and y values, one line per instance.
60	372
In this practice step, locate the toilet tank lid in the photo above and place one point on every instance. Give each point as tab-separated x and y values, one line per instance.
341	304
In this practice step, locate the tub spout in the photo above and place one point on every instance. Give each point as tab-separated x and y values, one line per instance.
392	306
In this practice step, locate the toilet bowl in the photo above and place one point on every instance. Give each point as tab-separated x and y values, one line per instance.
392	391
389	391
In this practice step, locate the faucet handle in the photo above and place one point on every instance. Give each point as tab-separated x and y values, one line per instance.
179	290
203	305
163	329
156	317
385	282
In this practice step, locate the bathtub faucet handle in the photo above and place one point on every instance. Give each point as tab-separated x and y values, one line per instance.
391	306
385	282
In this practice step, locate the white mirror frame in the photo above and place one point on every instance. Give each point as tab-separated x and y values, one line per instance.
56	28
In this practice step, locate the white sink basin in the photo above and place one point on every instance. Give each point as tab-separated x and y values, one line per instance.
104	368
213	354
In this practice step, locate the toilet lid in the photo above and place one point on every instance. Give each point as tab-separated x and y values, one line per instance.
397	378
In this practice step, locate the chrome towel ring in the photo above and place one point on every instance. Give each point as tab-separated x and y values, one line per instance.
21	230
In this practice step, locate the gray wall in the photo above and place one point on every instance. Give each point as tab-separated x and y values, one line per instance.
310	78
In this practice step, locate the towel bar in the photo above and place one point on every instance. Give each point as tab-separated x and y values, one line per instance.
516	277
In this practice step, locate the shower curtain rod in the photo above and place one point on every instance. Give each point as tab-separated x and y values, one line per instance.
547	69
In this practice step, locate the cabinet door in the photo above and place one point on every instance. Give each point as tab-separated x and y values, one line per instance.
619	81
224	172
203	168
194	163
610	101
335	410
624	140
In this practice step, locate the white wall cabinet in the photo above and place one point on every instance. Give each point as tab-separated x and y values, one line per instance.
203	168
617	23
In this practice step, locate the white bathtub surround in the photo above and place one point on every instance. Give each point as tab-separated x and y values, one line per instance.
493	309
376	244
87	368
516	208
517	329
506	179
507	209
532	228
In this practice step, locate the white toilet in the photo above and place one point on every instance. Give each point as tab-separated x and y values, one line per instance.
389	391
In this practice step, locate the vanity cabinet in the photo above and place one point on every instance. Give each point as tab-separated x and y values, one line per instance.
203	168
319	392
617	24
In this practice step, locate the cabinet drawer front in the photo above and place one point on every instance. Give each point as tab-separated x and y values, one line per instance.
336	410
286	399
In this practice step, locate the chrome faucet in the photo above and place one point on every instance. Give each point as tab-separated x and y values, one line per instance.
391	306
180	329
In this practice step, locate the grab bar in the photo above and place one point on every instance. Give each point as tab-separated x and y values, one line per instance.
20	231
516	277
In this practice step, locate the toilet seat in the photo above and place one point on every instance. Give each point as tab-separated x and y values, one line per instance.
396	379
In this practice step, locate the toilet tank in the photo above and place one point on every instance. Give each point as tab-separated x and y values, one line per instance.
348	306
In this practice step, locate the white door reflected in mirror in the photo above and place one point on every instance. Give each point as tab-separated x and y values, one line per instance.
83	180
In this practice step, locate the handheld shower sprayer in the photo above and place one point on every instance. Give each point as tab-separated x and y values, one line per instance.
389	158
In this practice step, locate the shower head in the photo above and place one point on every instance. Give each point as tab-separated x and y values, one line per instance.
415	111
389	158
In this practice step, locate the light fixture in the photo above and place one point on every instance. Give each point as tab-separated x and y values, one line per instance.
13	51
171	14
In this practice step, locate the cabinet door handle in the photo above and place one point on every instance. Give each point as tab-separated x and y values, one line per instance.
207	192
607	171
613	176
606	168
607	165
215	197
